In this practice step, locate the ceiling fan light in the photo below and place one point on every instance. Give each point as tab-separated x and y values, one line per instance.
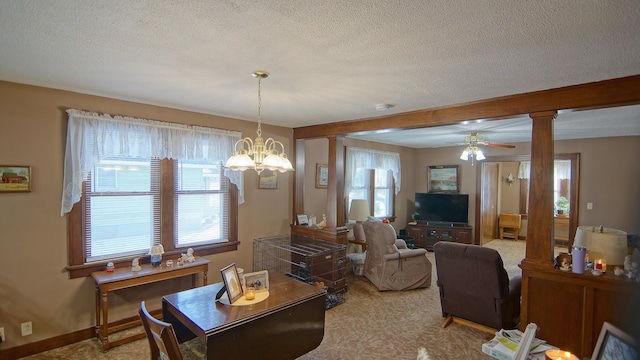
479	155
465	155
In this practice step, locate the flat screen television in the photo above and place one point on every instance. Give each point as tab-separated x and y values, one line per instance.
441	208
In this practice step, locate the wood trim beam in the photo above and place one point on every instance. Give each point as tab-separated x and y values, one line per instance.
602	94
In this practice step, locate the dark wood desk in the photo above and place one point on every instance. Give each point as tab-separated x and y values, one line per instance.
286	325
123	278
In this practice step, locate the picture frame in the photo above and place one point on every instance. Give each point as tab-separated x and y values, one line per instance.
268	179
303	219
15	178
614	344
259	280
443	179
232	282
322	176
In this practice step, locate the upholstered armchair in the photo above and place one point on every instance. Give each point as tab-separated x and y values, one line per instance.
475	289
389	264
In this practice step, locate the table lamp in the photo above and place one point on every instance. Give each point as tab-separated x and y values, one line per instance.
359	211
603	243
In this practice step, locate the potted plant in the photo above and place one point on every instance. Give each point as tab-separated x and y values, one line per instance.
562	206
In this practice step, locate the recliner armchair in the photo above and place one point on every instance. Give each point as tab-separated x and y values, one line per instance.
474	286
389	264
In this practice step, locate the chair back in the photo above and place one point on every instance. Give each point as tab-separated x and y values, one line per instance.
473	282
162	338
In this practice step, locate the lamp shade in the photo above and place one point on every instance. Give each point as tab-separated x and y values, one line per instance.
359	210
610	244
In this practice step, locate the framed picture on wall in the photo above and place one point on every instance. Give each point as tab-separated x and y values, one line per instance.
15	178
268	179
322	176
443	179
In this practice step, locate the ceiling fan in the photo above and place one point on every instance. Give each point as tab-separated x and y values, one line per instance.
473	151
476	139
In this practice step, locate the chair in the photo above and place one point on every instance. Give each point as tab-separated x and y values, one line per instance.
164	343
389	264
475	289
509	225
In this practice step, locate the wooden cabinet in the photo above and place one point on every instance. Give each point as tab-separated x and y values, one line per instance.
427	235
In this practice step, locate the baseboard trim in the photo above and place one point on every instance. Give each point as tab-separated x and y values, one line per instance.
55	342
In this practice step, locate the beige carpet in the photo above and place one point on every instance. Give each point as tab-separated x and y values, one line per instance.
369	325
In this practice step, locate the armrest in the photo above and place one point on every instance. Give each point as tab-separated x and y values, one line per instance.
515	286
401	244
404	254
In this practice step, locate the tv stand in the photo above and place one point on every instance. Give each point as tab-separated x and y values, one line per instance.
427	234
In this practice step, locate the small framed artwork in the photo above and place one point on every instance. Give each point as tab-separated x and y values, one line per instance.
268	179
322	176
614	344
15	178
259	280
303	219
443	179
232	282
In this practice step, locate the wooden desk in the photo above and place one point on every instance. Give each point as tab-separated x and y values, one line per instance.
125	278
286	325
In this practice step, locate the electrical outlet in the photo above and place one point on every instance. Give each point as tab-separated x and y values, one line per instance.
2	334
26	328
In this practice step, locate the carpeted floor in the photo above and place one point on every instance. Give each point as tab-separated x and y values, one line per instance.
369	325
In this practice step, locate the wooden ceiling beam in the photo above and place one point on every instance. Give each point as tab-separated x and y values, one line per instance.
595	95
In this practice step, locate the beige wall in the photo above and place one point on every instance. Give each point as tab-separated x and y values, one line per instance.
34	285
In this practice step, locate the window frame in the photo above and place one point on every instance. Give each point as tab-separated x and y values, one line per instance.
76	228
370	189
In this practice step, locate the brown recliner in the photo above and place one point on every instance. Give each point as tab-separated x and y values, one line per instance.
389	264
474	286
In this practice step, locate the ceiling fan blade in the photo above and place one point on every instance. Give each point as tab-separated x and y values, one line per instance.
507	146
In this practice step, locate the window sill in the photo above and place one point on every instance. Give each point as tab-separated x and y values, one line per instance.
77	271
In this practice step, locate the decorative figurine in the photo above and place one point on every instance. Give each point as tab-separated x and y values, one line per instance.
156	255
110	267
180	261
135	265
190	257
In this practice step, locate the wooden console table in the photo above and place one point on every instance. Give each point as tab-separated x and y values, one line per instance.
125	278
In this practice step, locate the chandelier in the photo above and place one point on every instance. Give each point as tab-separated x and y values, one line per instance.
259	154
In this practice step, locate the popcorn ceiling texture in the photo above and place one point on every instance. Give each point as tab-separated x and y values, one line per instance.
330	60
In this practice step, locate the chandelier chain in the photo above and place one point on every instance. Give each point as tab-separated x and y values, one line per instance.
259	130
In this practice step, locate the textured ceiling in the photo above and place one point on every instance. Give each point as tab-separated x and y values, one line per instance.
329	60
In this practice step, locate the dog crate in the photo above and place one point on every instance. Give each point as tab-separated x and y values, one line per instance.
310	260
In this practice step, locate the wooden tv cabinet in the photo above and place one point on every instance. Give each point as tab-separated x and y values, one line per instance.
426	235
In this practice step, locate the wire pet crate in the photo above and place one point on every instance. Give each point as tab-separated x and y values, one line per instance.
310	260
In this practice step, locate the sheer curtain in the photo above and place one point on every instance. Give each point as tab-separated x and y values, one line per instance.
360	158
561	169
92	137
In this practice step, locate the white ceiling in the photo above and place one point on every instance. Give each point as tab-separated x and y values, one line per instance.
329	60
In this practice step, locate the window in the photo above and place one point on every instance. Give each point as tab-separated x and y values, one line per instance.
373	175
139	185
377	185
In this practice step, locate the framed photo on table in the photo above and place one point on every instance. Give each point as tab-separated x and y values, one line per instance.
232	282
614	344
259	280
443	179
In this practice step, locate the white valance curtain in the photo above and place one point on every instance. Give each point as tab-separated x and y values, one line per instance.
561	169
360	158
92	137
